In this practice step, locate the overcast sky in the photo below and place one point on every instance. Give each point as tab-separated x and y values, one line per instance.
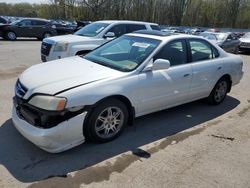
23	1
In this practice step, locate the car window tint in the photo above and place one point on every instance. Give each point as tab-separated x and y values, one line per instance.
155	27
118	30
215	52
230	37
39	23
25	23
135	27
175	52
200	50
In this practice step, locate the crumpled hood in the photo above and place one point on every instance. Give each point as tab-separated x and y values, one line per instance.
59	75
68	38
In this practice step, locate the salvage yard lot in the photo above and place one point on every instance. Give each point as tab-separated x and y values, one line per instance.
193	145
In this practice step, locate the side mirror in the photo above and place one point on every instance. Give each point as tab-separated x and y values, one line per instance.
109	35
159	64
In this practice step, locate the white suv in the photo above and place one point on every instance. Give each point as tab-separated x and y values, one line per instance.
89	38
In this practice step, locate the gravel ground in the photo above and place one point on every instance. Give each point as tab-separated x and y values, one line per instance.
193	145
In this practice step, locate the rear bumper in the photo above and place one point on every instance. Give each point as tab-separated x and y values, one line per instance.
64	136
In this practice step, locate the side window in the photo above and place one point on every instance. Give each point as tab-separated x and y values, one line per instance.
175	52
39	23
135	27
119	30
25	23
215	52
230	37
155	27
201	50
234	37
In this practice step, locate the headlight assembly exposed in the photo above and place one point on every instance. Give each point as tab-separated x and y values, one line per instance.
61	46
50	103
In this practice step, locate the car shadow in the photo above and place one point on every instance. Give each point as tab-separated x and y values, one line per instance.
20	39
27	163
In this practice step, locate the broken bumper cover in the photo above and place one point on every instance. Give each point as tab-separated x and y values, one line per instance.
64	136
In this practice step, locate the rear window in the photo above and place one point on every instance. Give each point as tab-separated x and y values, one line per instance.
155	27
135	27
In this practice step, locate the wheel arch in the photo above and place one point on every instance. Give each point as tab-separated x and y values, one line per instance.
123	99
229	79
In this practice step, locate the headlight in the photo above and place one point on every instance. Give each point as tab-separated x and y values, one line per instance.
61	46
50	103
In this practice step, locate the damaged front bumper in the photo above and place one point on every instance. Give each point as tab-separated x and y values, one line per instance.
65	135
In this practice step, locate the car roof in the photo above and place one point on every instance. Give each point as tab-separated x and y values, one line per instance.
163	36
36	19
125	21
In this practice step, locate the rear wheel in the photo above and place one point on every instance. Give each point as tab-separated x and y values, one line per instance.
10	35
219	92
107	121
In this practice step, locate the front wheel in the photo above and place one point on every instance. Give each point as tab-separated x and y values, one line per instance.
10	35
107	121
219	92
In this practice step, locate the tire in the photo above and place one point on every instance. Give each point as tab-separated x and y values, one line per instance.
219	91
47	34
107	121
236	50
10	35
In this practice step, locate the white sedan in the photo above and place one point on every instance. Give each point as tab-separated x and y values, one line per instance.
59	104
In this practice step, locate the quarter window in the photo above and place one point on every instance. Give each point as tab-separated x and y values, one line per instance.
135	27
155	27
175	52
201	50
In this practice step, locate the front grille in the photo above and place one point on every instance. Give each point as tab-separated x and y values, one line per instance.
45	48
245	44
20	90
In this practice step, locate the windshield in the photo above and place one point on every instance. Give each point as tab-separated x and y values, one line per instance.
124	54
221	36
16	22
92	30
247	35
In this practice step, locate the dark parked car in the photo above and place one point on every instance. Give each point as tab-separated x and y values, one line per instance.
28	27
227	41
81	24
3	21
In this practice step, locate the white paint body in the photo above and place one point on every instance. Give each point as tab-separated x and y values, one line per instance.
147	91
81	43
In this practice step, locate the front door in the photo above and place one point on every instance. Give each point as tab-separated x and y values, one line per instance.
165	88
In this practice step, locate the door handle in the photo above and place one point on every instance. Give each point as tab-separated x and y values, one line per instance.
219	68
186	75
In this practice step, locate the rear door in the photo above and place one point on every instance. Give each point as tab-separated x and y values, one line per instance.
206	67
39	28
